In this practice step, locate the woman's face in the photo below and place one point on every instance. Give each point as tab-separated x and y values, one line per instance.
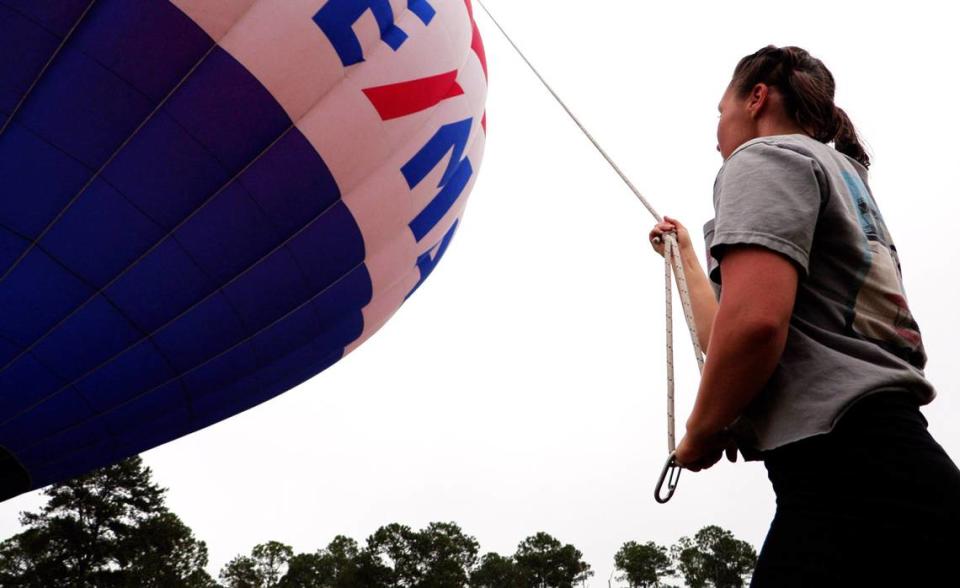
736	125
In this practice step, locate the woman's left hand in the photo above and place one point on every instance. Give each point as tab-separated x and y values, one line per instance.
697	453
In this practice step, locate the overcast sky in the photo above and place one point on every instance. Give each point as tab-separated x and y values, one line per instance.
531	364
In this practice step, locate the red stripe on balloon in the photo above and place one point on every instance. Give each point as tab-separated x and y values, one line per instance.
398	100
477	43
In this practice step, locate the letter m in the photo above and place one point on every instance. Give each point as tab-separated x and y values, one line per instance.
452	137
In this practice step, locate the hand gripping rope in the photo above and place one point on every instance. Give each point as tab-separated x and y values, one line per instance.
672	262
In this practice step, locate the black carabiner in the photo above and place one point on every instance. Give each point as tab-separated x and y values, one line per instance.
674	469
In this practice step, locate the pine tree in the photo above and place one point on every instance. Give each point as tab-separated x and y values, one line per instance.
109	528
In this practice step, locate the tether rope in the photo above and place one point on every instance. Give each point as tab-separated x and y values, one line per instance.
672	263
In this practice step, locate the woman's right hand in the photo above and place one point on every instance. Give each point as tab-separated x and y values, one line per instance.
669	225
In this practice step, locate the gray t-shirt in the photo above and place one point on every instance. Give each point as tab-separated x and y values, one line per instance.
851	332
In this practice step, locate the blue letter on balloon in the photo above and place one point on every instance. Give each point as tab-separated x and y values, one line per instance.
455	178
337	17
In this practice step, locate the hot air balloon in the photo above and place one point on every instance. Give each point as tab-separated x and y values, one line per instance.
204	204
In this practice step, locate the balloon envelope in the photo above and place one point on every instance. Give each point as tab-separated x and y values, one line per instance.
204	204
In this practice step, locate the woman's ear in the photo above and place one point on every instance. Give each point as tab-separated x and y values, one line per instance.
759	96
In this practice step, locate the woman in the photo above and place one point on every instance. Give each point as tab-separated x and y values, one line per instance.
814	360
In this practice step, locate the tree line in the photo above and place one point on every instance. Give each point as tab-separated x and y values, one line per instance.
111	528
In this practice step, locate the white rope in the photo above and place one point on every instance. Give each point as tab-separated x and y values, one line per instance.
613	164
671	252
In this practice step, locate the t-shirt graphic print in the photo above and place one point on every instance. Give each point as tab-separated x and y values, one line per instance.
879	310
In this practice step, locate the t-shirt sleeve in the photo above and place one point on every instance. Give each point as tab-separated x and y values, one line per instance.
768	196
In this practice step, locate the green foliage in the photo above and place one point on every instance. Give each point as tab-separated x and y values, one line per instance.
106	529
241	572
544	562
111	529
337	566
714	558
390	556
436	557
395	556
496	571
340	557
265	567
163	552
643	566
446	555
272	558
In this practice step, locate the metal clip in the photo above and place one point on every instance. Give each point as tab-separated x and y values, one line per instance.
674	469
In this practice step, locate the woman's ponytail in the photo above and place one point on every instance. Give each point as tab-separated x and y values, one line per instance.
846	139
808	90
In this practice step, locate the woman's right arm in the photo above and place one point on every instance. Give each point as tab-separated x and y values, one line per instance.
702	298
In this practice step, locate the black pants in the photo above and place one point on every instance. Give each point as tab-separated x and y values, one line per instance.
876	502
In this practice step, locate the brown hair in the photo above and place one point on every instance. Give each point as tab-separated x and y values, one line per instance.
808	89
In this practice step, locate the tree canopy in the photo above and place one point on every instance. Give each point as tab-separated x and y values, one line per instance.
643	566
112	529
545	561
714	557
397	556
109	528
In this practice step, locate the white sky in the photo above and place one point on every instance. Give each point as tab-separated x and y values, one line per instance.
531	364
